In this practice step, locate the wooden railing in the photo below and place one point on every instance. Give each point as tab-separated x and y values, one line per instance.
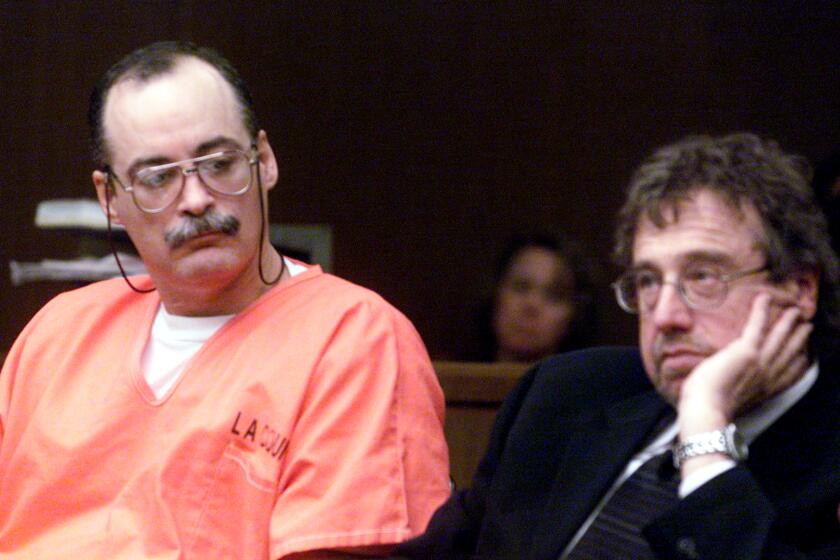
473	393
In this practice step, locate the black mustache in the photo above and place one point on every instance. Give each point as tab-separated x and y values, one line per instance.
194	226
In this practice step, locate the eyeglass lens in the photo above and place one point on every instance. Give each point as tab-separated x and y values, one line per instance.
226	173
698	288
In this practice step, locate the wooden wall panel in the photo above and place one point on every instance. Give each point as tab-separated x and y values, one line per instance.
425	133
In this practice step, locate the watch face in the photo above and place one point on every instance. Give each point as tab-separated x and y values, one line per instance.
736	443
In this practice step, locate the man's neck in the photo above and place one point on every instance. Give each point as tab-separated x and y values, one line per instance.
208	296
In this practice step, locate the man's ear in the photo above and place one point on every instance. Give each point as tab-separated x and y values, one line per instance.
104	191
267	161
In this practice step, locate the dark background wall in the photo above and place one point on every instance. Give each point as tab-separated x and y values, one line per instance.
426	133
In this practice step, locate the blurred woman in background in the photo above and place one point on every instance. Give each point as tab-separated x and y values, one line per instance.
543	301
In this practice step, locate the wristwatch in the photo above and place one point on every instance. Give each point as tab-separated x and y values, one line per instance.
727	441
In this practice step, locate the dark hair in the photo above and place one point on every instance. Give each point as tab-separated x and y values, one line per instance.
826	175
742	169
583	325
155	60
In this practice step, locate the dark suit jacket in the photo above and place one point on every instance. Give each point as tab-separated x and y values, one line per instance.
570	427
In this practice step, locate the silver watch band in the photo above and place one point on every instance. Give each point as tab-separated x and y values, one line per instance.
727	441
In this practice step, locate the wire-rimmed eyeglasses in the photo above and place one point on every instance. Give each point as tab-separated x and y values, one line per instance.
700	287
155	188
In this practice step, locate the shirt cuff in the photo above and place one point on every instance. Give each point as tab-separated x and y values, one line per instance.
703	475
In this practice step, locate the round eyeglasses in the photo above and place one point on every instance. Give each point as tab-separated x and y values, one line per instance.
155	188
700	287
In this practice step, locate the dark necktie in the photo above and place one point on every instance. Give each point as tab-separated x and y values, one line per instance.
616	532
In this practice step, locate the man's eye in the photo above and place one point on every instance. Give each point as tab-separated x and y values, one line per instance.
701	276
218	165
157	179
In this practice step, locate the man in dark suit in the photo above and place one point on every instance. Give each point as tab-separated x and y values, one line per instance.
729	268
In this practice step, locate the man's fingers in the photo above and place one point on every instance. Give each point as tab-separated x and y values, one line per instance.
791	362
779	338
756	323
796	345
789	375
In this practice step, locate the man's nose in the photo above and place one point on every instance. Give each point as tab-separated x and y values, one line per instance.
195	196
670	311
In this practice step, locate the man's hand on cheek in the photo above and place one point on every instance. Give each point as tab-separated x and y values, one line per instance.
766	358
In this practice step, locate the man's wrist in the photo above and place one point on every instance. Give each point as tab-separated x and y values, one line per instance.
712	446
700	420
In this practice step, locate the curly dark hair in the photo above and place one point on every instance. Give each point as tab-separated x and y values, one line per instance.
743	169
155	60
826	177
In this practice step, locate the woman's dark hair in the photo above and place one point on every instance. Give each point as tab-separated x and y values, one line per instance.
582	328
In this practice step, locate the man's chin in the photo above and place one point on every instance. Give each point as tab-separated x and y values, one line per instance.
674	390
679	365
204	263
670	384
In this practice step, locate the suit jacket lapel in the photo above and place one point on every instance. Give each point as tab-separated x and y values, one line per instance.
597	450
